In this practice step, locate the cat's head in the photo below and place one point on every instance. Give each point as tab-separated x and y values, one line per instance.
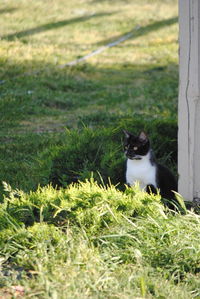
136	147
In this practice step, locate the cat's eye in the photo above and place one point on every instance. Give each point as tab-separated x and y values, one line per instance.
135	148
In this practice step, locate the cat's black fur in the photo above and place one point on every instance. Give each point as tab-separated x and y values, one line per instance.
166	182
138	147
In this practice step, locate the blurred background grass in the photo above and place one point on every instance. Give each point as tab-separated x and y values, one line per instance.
136	79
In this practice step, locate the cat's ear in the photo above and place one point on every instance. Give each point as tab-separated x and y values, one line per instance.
143	137
127	134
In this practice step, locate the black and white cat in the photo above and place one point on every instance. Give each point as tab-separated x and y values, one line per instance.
142	167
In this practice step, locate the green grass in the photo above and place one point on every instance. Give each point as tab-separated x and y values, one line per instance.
62	125
89	241
141	82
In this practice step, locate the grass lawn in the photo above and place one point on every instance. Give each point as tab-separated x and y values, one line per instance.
136	79
63	124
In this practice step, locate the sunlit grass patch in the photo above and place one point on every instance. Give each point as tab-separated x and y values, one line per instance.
99	241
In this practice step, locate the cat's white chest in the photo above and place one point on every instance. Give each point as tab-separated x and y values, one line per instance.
141	171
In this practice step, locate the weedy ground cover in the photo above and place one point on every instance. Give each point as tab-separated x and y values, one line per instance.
93	241
90	239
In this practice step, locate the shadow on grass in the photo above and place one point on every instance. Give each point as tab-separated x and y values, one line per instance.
130	96
119	89
7	10
53	92
54	25
141	30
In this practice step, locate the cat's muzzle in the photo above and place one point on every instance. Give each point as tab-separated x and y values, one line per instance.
135	157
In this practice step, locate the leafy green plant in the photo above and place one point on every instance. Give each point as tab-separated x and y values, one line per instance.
94	235
99	152
85	204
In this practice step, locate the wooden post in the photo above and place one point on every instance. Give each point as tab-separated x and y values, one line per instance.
189	100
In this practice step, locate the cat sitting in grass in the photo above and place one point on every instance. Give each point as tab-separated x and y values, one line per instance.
142	167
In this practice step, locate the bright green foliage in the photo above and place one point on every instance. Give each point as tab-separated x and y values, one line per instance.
98	242
86	204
